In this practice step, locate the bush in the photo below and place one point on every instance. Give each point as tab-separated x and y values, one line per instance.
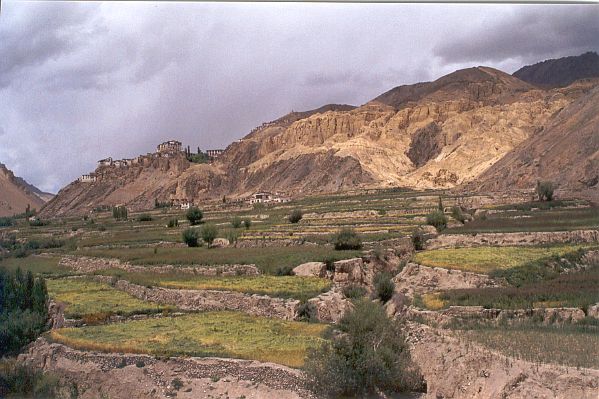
284	271
247	223
545	190
38	223
295	216
458	214
354	291
347	239
369	356
190	237
330	264
194	215
174	222
236	222
437	219
307	312
22	381
418	239
6	222
384	287
144	217
209	233
232	236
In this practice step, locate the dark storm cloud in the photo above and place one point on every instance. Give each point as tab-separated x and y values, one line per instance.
82	81
528	33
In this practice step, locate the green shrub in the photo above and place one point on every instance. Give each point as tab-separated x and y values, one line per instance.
330	264
354	291
190	237
458	214
38	222
247	223
6	222
18	380
307	312
545	190
437	219
194	215
369	356
384	287
236	222
295	216
232	236
418	239
177	384
347	239
174	222
209	233
284	271
144	217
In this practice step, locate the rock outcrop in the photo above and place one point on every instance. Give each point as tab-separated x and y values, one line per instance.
16	194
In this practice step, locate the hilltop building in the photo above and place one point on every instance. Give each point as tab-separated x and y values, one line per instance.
265	197
214	154
88	178
169	146
105	162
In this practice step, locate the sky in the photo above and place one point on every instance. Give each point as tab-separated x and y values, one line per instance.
81	81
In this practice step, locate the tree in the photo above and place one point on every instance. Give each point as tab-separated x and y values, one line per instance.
295	216
209	233
190	237
437	219
194	215
347	238
119	212
247	223
545	190
236	222
440	205
370	354
418	239
458	214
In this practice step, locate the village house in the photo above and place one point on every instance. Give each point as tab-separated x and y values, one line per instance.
265	197
169	146
87	178
214	154
105	162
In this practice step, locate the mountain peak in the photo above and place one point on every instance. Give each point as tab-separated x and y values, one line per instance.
560	72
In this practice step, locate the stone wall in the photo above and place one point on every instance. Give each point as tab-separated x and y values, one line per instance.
208	300
86	264
513	239
132	376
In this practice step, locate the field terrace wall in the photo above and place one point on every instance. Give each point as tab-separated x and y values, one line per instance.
210	300
132	376
86	264
513	239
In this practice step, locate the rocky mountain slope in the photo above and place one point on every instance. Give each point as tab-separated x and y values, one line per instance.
439	134
16	194
562	71
566	151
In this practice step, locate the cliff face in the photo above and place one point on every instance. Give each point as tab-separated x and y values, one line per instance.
566	151
437	134
16	194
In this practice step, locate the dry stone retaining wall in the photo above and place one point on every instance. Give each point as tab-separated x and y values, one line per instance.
513	239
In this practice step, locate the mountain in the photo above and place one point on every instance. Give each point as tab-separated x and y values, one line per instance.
16	194
566	151
560	72
439	134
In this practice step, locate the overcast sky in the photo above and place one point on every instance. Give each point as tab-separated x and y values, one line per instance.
83	81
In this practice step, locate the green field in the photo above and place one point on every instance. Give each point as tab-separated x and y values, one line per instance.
91	300
490	259
268	260
275	286
39	265
222	334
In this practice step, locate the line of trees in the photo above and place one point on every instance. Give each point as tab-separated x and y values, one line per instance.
23	309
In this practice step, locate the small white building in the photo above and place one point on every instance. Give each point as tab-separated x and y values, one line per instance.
169	146
265	197
105	162
87	178
214	154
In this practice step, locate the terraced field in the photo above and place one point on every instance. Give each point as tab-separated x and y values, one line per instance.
222	334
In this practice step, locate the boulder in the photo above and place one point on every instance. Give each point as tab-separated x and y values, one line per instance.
349	271
331	306
220	243
311	269
593	311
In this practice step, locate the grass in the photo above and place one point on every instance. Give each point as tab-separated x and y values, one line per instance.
550	219
276	286
579	289
569	345
38	265
490	259
223	334
92	300
268	260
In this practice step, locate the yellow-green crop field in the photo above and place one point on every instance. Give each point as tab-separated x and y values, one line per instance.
222	334
488	259
90	299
